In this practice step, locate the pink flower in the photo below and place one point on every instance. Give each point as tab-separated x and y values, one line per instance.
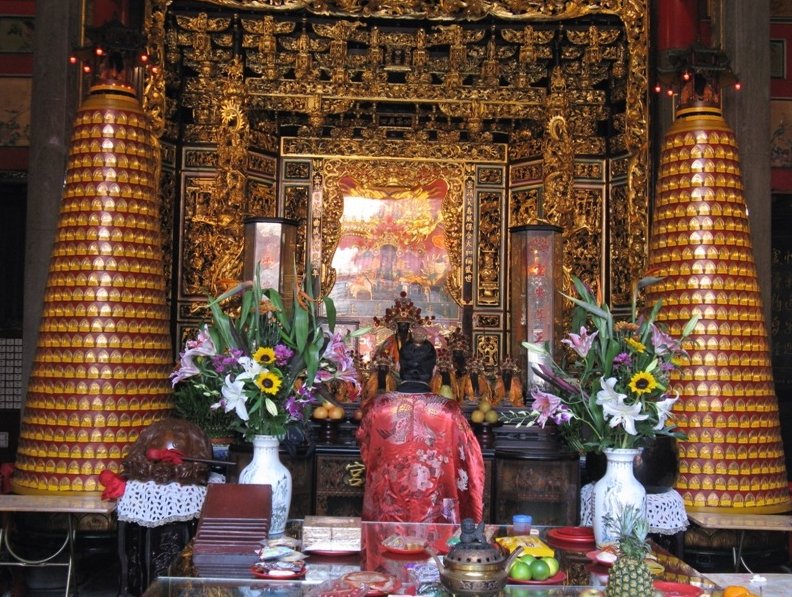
580	343
202	346
662	342
545	404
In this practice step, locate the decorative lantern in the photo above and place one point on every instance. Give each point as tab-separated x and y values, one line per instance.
101	370
535	270
733	458
270	244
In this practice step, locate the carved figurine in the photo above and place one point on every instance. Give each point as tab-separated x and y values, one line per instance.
508	385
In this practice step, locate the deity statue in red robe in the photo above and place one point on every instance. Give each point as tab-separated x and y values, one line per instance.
423	463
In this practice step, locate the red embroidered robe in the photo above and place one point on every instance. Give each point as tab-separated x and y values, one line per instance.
419	451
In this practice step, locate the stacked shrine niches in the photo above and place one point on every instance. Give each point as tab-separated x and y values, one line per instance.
733	458
100	374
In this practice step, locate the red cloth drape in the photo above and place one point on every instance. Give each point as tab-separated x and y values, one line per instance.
419	450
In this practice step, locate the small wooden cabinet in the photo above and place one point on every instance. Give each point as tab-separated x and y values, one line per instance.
545	485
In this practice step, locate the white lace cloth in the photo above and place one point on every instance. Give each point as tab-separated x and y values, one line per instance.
153	504
665	511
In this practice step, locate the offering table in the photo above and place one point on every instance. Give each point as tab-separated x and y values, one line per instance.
413	569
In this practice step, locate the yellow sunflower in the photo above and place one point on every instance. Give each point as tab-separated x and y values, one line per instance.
642	382
268	382
635	345
264	355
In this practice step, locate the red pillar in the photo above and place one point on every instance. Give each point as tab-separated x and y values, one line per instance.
677	23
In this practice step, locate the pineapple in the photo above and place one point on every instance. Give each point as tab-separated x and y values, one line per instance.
630	576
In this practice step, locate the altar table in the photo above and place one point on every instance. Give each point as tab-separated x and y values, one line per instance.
73	506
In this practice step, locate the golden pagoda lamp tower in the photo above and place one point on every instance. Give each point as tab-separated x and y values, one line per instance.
733	458
100	374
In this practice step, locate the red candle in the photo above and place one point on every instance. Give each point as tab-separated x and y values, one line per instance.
677	23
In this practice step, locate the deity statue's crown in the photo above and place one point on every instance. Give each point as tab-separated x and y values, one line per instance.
457	341
509	364
475	365
444	360
403	311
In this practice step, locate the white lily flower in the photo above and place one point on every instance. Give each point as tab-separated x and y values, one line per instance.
251	369
233	392
664	410
623	414
608	393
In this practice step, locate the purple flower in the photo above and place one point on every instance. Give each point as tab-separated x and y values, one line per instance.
580	343
223	362
563	415
622	359
294	407
545	404
282	354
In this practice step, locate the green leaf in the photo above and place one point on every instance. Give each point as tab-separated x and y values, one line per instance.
534	347
591	308
690	326
330	312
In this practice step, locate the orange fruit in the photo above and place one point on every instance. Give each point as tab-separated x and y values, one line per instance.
491	416
321	412
358	415
484	406
736	591
337	413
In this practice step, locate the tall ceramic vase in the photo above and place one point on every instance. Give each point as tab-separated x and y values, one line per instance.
265	468
617	490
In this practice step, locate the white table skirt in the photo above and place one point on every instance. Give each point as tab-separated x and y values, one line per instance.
665	511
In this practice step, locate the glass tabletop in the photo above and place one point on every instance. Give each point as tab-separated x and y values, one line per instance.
412	567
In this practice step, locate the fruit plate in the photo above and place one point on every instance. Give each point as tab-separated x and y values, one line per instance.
572	534
556	579
405	546
276	574
603	558
677	589
377	583
331	552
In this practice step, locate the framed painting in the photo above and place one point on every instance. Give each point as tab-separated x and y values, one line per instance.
780	133
16	34
778	58
15	93
392	241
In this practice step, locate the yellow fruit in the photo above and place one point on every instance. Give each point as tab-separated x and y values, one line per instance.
321	412
337	413
477	416
484	406
491	416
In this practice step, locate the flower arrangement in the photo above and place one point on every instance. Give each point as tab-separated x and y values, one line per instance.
257	368
612	390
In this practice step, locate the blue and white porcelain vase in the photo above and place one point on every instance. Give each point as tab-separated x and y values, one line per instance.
265	468
617	490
